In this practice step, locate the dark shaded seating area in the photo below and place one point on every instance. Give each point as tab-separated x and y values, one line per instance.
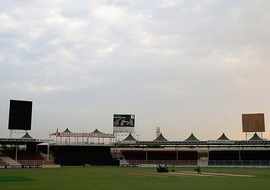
256	157
224	155
188	155
161	155
81	155
24	155
134	155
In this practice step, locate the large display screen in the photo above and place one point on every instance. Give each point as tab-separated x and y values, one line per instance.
123	120
20	115
253	122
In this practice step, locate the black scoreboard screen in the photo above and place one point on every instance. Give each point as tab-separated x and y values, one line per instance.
20	115
123	120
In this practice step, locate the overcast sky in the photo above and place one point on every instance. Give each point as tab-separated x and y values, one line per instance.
184	66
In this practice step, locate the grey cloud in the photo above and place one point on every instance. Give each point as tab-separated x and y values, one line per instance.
184	65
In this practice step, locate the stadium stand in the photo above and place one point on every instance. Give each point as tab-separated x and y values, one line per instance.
30	152
192	151
247	157
9	162
21	152
81	155
30	159
139	157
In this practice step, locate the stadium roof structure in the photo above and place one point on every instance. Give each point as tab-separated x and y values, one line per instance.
129	138
160	138
95	134
66	130
99	134
22	141
223	137
56	133
192	138
26	136
255	138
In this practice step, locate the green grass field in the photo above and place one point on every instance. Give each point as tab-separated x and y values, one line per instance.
97	178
